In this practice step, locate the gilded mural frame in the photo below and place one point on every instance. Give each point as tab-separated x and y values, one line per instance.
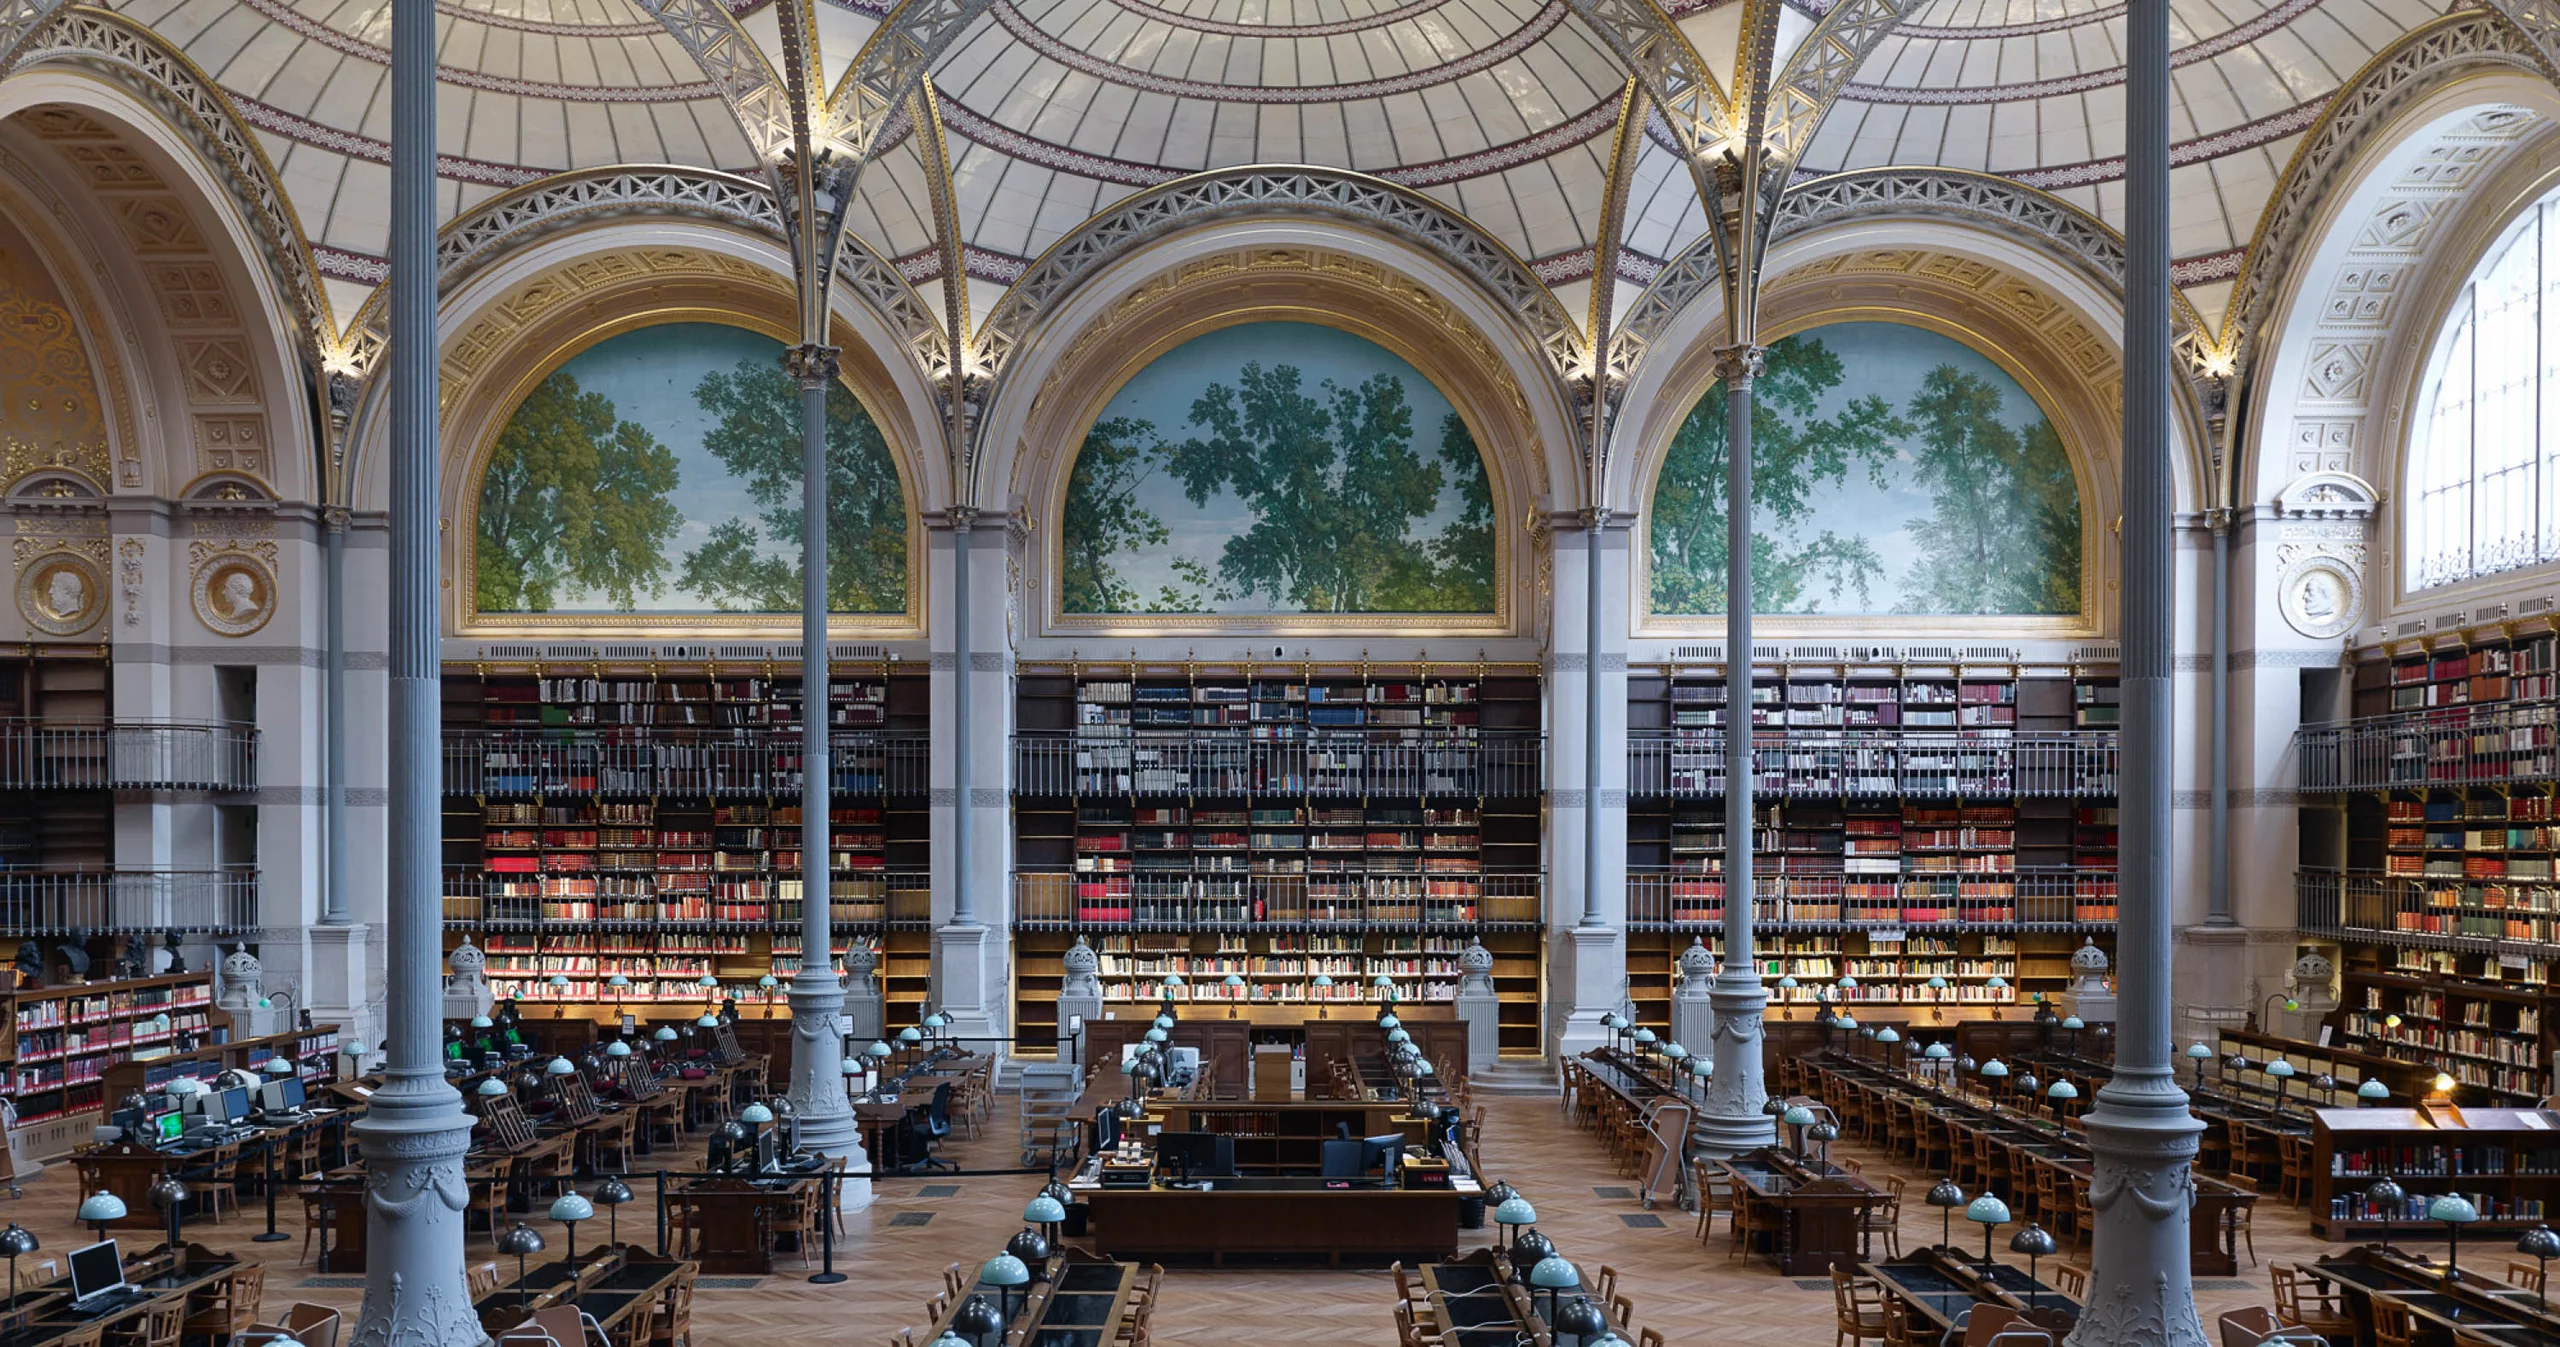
1801	302
1492	408
486	414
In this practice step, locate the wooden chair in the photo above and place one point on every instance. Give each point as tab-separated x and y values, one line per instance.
1651	1337
304	1325
635	1328
2526	1275
1885	1218
221	1187
674	1327
1608	1283
1622	1312
158	1326
2242	1224
483	1278
1715	1194
951	1281
1986	1324
1859	1303
2301	1307
2072	1280
1901	1329
2393	1326
489	1193
2293	1169
230	1305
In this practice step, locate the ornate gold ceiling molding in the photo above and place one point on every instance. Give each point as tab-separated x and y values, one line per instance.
513	341
2054	350
1283	284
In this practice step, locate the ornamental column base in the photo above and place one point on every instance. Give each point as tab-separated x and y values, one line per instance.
1731	1121
1597	975
966	991
413	1137
2142	1294
817	1095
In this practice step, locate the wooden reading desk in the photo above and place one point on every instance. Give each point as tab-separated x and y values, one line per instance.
1067	1304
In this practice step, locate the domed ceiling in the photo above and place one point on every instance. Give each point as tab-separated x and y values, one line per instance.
1504	110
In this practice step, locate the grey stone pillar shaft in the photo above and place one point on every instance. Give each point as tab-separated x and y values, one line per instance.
1732	1121
964	905
414	1135
1592	520
2218	806
333	691
2141	1134
817	1000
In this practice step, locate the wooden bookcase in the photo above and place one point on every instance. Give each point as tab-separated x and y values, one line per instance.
63	1042
2506	1160
604	820
1910	821
1275	821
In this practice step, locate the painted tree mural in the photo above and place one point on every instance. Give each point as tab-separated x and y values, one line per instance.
1315	473
659	471
1893	471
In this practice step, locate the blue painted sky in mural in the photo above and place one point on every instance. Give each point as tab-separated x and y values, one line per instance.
650	375
1891	359
1163	393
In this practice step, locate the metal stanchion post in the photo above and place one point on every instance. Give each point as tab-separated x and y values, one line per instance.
272	1234
662	1213
827	1274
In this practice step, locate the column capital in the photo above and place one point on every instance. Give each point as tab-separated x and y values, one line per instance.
1594	517
961	518
812	365
1739	366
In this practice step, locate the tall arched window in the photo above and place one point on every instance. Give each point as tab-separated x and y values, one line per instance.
2484	461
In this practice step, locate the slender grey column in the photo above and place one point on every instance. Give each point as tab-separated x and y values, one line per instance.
817	1000
1592	520
2218	812
964	905
414	1135
2140	1133
1732	1121
333	690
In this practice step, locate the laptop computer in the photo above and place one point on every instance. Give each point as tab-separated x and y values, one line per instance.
97	1277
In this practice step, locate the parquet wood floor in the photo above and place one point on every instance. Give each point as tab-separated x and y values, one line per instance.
1688	1291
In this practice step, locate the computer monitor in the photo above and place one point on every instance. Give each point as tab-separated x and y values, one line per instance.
1383	1153
95	1270
168	1126
222	1106
281	1096
1190	1153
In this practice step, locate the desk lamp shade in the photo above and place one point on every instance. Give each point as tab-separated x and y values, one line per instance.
1164	1022
560	1066
1996	983
1030	1247
665	1034
2456	1212
1399	1036
16	1241
279	1065
1324	979
166	1192
1500	1193
1422	1067
1580	1318
755	1113
1513	1210
1674	1051
1530	1249
2062	1089
1701	1067
1936	984
611	1195
569	1207
2237	1061
1389	1022
2538	1244
1644	1036
2072	1023
2032	1240
617	1048
491	1088
976	1318
1788	982
1946	1197
852	1064
911	1035
2028	1085
1847	984
708	1021
1044	1210
1233	980
2280	1069
877	1049
187	1086
1004	1270
1797	1116
1847	1021
560	980
617	981
1057	1192
1175	980
1987	1210
521	1240
937	1020
1966	1064
1773	1106
2197	1052
1554	1274
1888	1034
1824	1132
2325	1083
706	980
1995	1069
480	1022
1157	1035
2443	1083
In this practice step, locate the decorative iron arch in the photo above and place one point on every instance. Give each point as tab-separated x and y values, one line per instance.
1222	194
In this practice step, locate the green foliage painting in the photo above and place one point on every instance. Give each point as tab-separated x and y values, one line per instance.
659	471
1893	471
1278	468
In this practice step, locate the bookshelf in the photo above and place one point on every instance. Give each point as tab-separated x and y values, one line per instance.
644	821
2504	1160
62	1042
1272	820
1910	821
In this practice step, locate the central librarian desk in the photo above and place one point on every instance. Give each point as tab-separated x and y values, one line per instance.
1256	1218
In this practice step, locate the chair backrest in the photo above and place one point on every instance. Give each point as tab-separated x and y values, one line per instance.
2249	1327
2287	1293
483	1278
311	1325
248	1291
163	1324
1622	1311
1998	1323
940	1109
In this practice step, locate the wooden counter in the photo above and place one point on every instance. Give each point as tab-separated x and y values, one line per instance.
1282	1217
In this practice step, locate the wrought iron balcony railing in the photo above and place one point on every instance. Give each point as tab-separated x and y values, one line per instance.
1316	763
1880	764
2431	911
127	755
641	763
2450	746
1334	898
2055	899
128	902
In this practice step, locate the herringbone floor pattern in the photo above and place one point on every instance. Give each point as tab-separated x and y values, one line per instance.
895	1252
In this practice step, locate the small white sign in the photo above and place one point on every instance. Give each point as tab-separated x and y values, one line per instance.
1884	937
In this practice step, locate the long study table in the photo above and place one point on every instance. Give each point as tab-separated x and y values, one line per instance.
2487	1311
1479	1308
2213	1225
160	1277
1336	1219
1070	1304
1940	1285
